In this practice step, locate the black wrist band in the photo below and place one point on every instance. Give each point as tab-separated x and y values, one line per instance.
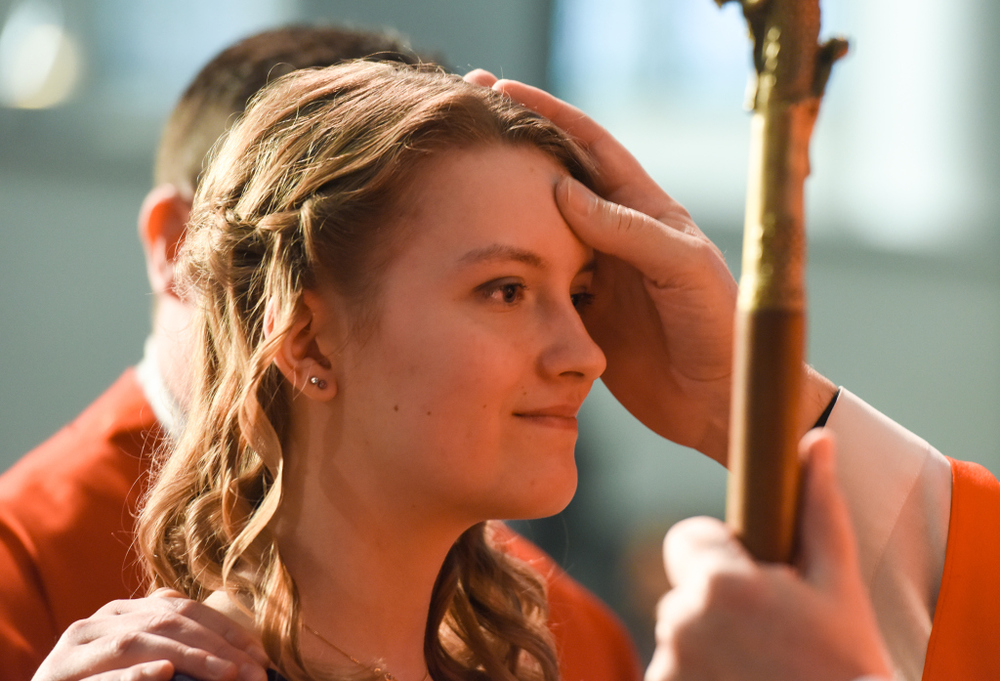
821	421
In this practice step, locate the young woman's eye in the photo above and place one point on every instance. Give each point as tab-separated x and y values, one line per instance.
582	299
511	293
506	292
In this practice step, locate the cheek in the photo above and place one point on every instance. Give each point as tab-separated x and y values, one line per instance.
436	332
455	367
448	406
455	395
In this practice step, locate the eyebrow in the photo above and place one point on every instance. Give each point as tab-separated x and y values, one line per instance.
501	252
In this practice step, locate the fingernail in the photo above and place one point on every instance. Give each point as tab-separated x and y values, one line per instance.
251	672
578	197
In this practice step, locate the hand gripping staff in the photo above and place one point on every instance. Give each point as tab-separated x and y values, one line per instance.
791	73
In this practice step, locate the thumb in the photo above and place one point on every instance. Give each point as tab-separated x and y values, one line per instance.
697	548
828	553
660	251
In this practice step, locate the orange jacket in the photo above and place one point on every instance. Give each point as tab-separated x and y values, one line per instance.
66	516
66	523
591	643
965	639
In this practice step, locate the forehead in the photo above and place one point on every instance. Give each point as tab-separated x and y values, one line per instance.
495	198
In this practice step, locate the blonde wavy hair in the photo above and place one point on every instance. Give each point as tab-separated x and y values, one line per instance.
302	191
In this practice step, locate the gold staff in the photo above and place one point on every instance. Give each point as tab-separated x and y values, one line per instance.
792	70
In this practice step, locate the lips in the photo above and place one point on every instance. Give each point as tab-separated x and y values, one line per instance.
557	416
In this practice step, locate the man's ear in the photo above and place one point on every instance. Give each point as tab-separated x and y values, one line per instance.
300	357
162	223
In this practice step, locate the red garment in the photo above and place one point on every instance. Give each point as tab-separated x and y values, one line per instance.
66	516
965	639
66	522
591	642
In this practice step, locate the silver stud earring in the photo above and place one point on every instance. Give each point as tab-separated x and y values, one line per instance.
318	382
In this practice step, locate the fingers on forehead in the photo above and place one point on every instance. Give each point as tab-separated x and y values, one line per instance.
480	77
658	250
566	116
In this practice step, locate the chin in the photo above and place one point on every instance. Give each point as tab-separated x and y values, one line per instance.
547	498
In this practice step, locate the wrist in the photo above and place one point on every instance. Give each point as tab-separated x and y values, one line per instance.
817	393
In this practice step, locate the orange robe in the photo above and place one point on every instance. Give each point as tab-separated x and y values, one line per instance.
965	639
590	644
66	516
66	523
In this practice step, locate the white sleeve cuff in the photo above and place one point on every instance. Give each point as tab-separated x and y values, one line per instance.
898	490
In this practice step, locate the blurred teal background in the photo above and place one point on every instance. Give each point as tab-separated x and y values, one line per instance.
904	274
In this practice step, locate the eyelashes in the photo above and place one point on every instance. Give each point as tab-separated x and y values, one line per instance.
506	292
582	300
509	293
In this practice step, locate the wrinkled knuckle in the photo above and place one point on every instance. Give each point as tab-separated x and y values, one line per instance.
194	658
126	643
706	251
76	632
619	217
184	607
163	623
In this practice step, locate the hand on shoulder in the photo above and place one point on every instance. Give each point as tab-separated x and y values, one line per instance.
153	639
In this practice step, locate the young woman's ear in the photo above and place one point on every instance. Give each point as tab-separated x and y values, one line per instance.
162	223
300	357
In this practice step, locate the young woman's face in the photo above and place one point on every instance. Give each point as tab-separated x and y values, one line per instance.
462	401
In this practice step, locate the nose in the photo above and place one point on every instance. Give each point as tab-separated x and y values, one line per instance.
570	351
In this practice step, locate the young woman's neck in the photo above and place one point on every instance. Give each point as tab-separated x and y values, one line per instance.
363	563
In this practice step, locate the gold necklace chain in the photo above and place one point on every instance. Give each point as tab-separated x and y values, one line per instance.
385	673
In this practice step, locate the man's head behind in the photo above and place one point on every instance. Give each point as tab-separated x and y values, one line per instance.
220	91
211	104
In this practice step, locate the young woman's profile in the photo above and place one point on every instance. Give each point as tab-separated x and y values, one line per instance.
391	355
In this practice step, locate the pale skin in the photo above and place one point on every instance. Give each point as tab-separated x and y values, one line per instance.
655	269
457	407
151	638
